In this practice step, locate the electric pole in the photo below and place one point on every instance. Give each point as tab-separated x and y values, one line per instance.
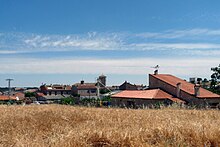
9	87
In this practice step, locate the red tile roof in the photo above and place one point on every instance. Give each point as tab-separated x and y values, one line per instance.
185	86
145	94
6	98
85	86
57	87
68	87
40	94
20	95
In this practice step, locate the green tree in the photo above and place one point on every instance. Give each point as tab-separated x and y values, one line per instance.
199	80
68	101
30	94
103	91
215	77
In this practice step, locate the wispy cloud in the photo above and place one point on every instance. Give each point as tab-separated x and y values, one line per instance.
13	43
174	34
186	46
134	66
91	41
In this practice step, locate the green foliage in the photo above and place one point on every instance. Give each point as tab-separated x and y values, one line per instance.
30	94
95	102
215	77
199	80
88	101
76	95
205	80
107	98
68	101
103	91
214	90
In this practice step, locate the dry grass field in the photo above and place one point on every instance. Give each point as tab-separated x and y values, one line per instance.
57	125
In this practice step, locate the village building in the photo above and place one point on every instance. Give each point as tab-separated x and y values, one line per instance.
54	92
19	95
56	89
167	89
6	98
85	90
192	94
41	98
128	86
143	98
89	90
102	80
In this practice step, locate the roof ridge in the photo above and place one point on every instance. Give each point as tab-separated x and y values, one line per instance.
186	89
156	93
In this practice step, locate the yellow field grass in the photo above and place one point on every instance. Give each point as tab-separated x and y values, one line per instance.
57	125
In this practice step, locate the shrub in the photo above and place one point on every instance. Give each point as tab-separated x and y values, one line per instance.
68	101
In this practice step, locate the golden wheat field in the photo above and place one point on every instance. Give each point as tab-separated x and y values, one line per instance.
58	125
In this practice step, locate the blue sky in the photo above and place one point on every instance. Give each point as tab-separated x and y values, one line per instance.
64	41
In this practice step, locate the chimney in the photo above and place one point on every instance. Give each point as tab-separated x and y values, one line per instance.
197	89
178	88
82	82
156	72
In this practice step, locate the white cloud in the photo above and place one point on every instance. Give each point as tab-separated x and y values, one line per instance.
8	52
174	34
93	41
185	46
136	66
203	52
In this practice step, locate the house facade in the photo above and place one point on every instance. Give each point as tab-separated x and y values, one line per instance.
143	98
193	94
56	89
85	90
127	86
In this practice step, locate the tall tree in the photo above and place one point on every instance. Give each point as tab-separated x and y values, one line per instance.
215	77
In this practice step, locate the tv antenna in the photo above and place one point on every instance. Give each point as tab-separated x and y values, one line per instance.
156	67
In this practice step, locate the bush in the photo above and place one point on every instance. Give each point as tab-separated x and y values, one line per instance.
107	98
68	101
30	94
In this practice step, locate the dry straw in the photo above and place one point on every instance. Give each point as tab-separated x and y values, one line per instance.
57	125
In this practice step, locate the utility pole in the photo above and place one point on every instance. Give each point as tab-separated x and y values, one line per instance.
9	87
98	89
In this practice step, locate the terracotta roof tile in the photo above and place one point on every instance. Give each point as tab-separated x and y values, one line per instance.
20	95
177	100
145	94
40	94
5	97
185	86
84	86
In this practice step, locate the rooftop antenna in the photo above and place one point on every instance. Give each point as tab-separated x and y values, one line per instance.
156	67
9	87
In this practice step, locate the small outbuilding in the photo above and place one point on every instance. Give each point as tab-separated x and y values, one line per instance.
143	98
